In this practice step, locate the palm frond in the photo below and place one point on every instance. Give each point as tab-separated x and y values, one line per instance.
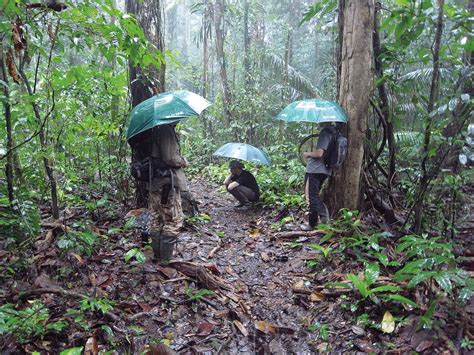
406	139
296	79
424	75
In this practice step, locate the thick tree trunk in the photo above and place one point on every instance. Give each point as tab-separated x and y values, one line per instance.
425	178
219	9
354	93
146	82
8	125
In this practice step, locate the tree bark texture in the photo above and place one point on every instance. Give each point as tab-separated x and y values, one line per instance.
354	93
8	125
146	82
219	9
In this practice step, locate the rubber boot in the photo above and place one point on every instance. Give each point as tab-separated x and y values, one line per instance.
167	243
155	245
144	238
313	219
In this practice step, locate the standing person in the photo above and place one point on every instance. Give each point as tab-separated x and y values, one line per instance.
165	191
242	185
316	173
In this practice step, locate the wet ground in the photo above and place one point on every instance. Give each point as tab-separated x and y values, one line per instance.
239	286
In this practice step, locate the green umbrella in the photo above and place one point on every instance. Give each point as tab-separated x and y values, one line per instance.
313	110
165	108
243	151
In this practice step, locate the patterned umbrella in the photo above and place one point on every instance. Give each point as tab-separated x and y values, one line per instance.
313	110
165	108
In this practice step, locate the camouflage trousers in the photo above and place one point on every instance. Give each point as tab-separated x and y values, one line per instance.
166	211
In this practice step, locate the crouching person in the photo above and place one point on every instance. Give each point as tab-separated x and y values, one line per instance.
242	185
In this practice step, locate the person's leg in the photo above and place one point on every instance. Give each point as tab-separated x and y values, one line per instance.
156	222
243	194
317	208
173	218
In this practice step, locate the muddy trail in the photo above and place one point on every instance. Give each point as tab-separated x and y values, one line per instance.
241	282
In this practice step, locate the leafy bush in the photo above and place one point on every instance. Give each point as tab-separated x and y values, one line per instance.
29	322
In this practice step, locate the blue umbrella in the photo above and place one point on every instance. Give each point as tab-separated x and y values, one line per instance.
243	151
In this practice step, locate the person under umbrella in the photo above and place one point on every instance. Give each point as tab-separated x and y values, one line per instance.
242	185
315	174
157	162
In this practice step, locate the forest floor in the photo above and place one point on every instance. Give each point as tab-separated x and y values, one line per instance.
241	283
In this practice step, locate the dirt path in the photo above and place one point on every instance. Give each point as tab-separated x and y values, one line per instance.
264	272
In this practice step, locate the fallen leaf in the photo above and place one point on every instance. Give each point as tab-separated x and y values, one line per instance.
169	272
388	323
365	345
222	314
424	345
357	330
255	232
92	279
43	281
205	329
79	259
241	328
322	348
91	347
265	327
299	284
317	297
264	256
43	244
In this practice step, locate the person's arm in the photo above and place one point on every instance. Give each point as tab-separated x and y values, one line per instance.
227	180
170	150
318	153
232	185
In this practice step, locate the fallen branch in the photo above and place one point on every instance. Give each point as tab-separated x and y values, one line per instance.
213	251
201	273
296	234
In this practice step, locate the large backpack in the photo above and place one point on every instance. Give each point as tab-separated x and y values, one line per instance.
143	166
337	150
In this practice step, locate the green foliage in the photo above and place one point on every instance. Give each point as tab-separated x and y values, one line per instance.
27	323
103	305
323	330
136	254
19	221
81	242
197	295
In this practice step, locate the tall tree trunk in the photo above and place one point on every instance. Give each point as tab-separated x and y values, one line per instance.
354	93
219	9
424	180
246	46
146	82
385	105
340	34
8	126
205	48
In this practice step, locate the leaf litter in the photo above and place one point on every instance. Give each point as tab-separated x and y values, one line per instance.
259	293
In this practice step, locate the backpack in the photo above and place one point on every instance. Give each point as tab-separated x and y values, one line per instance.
337	150
143	167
